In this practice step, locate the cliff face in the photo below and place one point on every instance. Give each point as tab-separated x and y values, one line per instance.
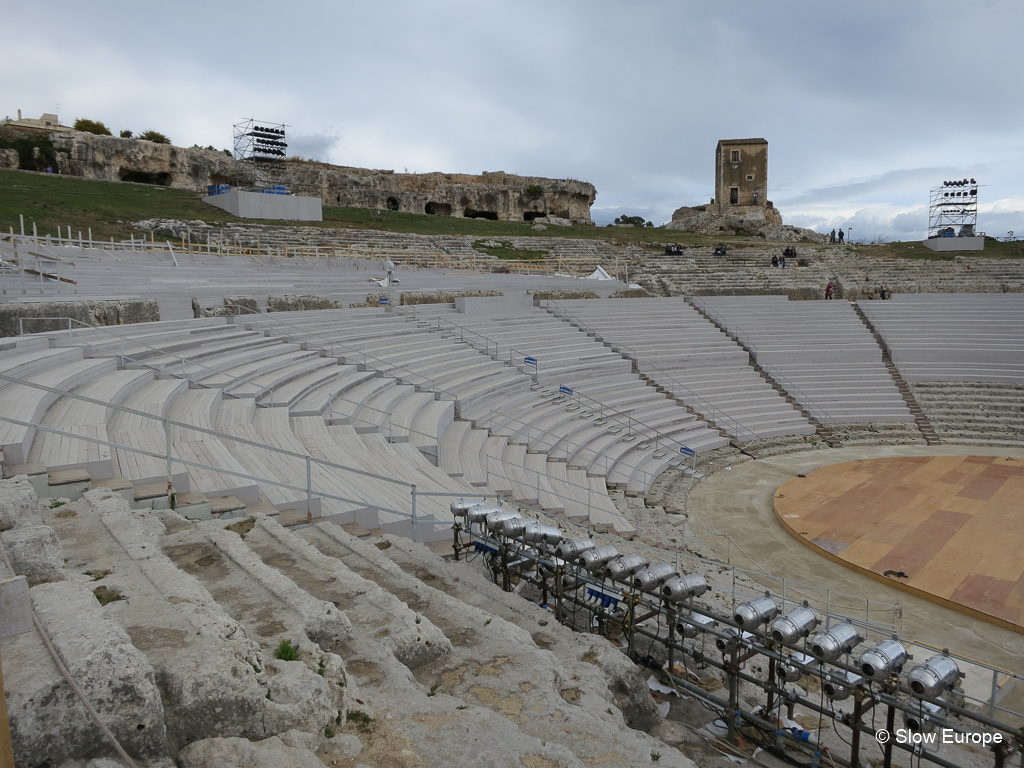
110	158
495	195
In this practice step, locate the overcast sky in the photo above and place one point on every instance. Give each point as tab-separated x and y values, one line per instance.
865	104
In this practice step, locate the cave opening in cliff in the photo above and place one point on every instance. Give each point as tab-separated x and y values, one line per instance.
142	177
438	209
470	213
392	204
531	215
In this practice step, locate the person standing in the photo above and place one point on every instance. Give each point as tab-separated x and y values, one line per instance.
389	267
832	237
840	235
829	290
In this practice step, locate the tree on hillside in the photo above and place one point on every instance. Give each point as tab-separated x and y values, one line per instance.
126	134
632	221
91	126
155	136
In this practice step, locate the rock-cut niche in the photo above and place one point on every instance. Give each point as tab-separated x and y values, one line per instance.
438	209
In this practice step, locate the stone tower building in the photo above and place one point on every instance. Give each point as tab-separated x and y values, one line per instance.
741	173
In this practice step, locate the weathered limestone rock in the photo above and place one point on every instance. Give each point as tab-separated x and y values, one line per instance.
567	294
233	305
35	553
110	158
757	221
210	674
19	504
413	640
288	303
228	753
441	297
496	195
8	158
48	723
99	312
299	698
555	221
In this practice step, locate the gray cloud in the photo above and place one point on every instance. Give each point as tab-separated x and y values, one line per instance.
861	102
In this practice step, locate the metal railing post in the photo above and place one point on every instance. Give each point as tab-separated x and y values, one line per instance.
414	537
167	448
309	485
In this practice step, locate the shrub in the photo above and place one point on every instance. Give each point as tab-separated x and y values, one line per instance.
535	190
287	652
35	152
155	136
126	134
91	126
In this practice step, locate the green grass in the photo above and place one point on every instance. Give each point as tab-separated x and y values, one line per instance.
505	250
109	208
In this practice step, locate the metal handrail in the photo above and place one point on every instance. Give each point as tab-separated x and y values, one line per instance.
463	331
618	416
526	360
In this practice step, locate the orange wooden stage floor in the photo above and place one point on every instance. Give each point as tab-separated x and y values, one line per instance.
948	528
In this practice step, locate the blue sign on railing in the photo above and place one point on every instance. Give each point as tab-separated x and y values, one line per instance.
687	451
530	360
565	390
385	300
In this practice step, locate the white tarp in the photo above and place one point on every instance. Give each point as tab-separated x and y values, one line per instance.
599	274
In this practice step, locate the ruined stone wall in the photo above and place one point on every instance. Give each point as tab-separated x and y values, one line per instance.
93	312
496	195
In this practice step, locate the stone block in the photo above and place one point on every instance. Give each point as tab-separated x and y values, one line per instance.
19	503
35	553
15	606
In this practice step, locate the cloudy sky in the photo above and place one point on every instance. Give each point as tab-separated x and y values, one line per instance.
865	104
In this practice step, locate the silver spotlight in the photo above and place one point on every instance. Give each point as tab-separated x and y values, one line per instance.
732	639
694	624
679	588
936	675
653	576
460	507
571	549
788	672
830	645
594	560
883	661
793	626
624	566
539	533
839	685
923	721
512	526
755	612
479	512
495	520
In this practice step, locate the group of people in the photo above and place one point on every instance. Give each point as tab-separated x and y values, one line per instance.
832	236
788	252
721	251
673	250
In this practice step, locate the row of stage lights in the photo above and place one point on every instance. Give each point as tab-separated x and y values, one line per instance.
529	541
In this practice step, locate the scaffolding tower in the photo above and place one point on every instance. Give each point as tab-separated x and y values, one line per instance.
953	209
263	147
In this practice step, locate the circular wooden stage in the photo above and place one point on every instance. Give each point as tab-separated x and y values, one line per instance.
947	528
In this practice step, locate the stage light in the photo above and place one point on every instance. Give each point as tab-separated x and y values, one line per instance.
884	660
621	568
788	672
839	685
694	624
497	518
571	549
538	533
679	588
830	645
460	507
793	626
755	612
924	721
512	526
479	513
653	576
732	639
594	560
936	675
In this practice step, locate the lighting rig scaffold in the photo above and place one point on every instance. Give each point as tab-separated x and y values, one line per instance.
796	654
263	145
953	209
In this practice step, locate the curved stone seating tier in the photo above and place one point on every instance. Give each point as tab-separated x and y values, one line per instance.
692	360
58	452
819	352
953	337
155	398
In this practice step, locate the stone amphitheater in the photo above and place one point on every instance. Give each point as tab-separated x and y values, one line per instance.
227	538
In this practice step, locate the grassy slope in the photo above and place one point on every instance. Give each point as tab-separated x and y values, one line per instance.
110	207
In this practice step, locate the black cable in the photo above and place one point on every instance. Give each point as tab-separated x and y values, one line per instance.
831	705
